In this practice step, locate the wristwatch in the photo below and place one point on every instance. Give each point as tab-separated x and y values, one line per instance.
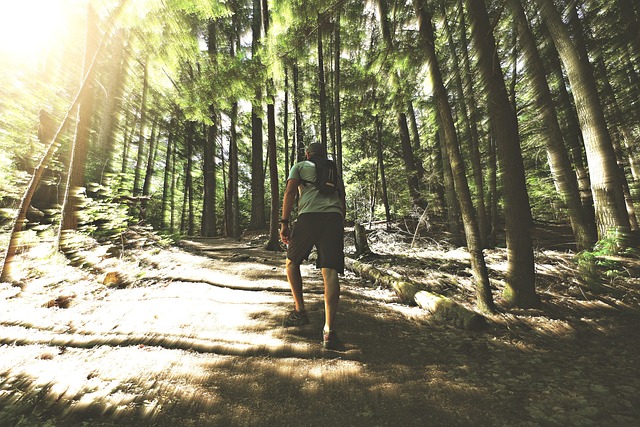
284	221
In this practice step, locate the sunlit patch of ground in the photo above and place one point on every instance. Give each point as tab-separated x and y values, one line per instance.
196	339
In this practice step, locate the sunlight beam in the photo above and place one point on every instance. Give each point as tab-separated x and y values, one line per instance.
29	28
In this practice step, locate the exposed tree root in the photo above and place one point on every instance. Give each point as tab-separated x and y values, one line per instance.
29	336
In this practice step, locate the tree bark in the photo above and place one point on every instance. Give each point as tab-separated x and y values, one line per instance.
166	182
141	140
620	135
454	222
150	169
233	211
188	182
209	223
274	235
361	243
559	162
172	199
520	278
298	148
484	299
383	177
409	162
572	134
129	128
608	198
234	198
493	192
322	90
285	127
336	94
257	172
470	130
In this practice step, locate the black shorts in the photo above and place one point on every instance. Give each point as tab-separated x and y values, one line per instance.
325	231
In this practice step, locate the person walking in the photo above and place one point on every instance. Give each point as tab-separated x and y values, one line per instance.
320	223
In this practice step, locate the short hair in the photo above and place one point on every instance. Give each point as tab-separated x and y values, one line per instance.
317	148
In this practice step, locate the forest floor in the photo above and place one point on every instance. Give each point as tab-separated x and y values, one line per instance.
147	334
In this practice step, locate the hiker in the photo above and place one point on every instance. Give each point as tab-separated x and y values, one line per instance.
320	223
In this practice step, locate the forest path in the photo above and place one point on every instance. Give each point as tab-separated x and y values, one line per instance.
175	350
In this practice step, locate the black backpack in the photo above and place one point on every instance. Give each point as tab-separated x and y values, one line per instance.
326	175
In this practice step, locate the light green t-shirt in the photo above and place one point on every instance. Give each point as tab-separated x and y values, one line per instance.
311	199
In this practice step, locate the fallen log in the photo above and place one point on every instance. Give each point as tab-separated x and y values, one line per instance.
442	309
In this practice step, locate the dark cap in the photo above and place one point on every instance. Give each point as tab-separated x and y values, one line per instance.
317	148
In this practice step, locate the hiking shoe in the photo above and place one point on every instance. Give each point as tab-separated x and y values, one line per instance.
296	318
331	341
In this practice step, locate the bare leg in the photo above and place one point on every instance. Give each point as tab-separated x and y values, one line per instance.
331	296
295	281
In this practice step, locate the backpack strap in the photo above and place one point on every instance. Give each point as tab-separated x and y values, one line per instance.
304	181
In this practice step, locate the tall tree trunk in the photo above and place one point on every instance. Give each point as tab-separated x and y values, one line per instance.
141	140
234	198
454	220
257	169
114	91
274	236
174	179
233	214
383	178
76	179
209	221
484	299
129	128
470	130
298	147
493	192
620	135
559	162
373	193
520	278
336	93
572	133
409	162
514	71
415	137
606	187
631	32
146	186
188	181
322	85
166	184
285	120
405	140
437	181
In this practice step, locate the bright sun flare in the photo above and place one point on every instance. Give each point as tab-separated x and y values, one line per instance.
29	27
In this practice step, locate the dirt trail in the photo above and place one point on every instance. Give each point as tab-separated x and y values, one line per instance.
188	353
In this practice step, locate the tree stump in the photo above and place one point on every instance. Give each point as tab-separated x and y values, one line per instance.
362	245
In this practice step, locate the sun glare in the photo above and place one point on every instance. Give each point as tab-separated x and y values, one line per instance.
28	28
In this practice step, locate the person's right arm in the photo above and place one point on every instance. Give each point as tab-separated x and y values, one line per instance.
287	207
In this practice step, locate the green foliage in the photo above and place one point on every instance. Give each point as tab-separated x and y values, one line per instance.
602	263
102	213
